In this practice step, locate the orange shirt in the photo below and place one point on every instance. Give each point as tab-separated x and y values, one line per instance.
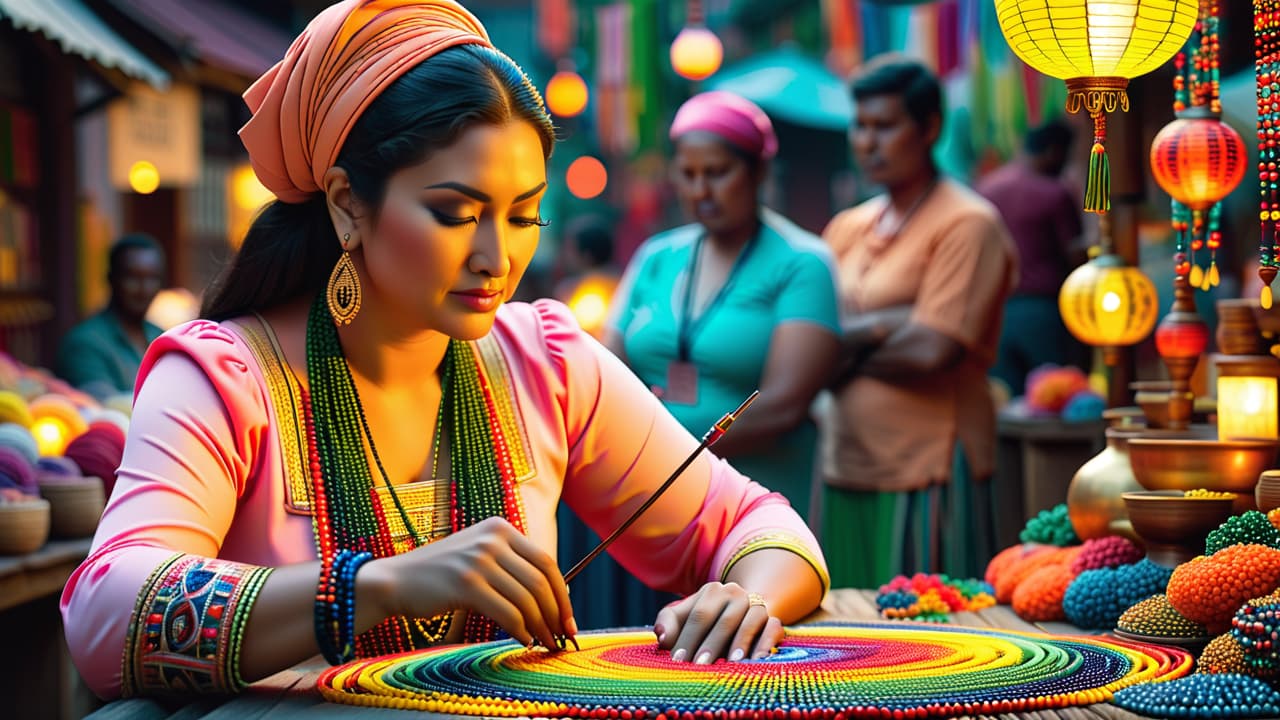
954	262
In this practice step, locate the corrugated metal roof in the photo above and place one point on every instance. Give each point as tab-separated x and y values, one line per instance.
216	33
75	29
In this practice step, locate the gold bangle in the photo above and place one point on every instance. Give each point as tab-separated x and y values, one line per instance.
756	599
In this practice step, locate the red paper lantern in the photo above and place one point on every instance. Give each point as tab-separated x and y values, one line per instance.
1181	337
1198	160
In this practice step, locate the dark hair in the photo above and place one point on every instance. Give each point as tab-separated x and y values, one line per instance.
126	243
290	249
1052	134
894	74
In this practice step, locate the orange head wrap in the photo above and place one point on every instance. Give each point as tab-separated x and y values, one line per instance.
305	105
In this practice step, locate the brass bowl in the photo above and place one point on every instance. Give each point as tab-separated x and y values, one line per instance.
1173	526
1183	461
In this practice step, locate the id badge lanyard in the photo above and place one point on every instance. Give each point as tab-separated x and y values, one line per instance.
688	326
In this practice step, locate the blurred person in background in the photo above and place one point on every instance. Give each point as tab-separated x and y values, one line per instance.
924	269
738	300
1043	217
101	355
589	278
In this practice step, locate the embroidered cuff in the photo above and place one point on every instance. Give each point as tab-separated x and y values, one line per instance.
184	636
781	541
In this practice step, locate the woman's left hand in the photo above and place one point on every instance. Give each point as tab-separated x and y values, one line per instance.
721	620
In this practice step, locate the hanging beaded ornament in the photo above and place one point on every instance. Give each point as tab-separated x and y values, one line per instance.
861	670
1266	49
348	511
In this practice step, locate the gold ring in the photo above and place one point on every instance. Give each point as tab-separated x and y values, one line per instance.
755	599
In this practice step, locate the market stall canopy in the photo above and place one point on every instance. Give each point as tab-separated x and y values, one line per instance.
74	28
212	32
790	86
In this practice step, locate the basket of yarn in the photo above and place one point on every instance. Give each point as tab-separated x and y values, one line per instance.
76	503
98	451
24	522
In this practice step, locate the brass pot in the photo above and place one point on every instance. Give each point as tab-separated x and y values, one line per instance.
1172	525
1094	499
1267	493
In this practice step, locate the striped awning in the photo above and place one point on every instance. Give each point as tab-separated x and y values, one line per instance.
74	28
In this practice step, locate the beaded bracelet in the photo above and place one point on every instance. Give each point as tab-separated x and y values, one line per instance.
335	608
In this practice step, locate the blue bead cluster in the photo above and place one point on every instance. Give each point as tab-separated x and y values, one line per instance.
335	609
1050	527
1097	598
1248	528
1202	696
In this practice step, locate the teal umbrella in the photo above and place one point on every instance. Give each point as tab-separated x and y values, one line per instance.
790	86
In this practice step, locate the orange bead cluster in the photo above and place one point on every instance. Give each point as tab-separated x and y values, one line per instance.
1155	617
1008	581
1209	590
1038	598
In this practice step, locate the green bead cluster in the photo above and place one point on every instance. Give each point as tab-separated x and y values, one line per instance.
1155	617
1249	528
1050	527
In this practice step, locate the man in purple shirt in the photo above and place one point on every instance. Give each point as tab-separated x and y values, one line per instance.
1043	217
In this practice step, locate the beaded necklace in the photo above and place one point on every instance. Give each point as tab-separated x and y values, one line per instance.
348	514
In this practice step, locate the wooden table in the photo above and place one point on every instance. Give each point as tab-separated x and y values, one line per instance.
40	681
292	693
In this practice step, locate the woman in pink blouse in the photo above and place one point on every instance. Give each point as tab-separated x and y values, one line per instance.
361	449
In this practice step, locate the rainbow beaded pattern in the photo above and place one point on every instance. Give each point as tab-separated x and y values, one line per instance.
862	670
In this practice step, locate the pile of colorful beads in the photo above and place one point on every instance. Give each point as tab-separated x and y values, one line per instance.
931	598
1209	590
1050	527
1097	598
1155	617
1256	626
1249	528
860	670
1202	696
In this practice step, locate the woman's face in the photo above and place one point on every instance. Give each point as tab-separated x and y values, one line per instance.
716	187
455	233
891	148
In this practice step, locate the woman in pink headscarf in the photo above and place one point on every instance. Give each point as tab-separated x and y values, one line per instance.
738	300
361	448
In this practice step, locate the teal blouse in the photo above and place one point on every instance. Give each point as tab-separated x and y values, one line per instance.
787	275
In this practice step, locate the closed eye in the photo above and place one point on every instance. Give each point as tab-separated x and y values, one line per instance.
453	220
530	222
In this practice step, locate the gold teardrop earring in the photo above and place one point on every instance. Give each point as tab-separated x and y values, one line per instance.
343	292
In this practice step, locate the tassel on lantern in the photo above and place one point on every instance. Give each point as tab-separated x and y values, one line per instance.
1097	194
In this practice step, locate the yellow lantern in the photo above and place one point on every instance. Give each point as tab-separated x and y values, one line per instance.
1096	46
566	93
1108	304
696	53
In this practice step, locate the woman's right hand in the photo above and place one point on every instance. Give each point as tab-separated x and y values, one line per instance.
490	568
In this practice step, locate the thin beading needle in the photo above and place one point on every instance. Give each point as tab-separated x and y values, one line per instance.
709	438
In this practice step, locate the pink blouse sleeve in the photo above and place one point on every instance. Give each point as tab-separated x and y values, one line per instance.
622	444
150	608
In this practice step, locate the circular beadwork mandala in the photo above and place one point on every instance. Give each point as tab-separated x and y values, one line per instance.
863	670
